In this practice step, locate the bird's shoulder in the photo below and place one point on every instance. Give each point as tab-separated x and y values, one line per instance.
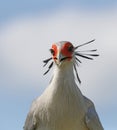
32	119
91	118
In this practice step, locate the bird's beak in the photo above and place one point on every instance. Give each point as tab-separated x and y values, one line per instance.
60	57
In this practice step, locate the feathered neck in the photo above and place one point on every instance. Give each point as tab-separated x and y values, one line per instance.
64	72
63	81
63	88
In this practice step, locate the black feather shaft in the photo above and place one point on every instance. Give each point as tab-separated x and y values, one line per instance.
90	54
81	55
88	50
50	66
47	60
77	74
85	43
78	59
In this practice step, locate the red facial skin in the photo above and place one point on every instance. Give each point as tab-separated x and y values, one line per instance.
66	50
55	50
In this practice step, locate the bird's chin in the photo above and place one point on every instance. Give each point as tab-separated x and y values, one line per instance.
64	62
58	63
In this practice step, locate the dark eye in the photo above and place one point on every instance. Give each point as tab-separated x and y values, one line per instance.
52	51
70	48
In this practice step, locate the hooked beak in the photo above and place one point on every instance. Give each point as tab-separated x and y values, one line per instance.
60	57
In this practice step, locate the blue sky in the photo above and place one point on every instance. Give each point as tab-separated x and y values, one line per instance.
27	30
13	8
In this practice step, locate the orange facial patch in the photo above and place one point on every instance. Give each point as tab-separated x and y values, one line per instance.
67	49
54	49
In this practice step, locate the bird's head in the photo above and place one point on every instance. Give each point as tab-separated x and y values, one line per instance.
64	53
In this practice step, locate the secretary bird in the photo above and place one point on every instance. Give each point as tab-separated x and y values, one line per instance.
62	106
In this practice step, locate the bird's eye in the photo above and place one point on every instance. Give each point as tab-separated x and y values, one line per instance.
70	48
52	51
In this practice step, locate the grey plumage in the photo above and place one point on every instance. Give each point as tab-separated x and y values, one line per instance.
62	106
